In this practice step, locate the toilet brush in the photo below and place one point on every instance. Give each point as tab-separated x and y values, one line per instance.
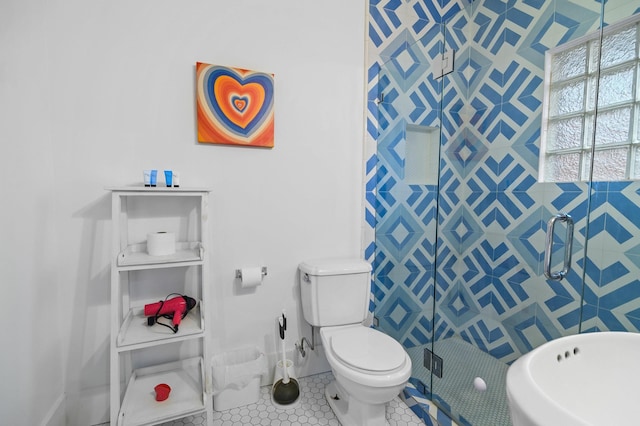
286	390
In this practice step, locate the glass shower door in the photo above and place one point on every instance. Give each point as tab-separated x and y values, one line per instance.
612	289
540	121
408	145
514	179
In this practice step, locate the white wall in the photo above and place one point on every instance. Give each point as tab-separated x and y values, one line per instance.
31	364
92	93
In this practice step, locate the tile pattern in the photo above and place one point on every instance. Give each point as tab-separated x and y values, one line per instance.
492	210
311	410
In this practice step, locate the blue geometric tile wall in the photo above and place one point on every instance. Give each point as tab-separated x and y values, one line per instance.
492	210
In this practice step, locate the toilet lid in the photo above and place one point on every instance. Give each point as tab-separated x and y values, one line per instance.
367	349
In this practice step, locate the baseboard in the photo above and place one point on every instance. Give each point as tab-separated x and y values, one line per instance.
57	415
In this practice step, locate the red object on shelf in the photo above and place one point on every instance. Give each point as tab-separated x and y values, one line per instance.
175	308
162	391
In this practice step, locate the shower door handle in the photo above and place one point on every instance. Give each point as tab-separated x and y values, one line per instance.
559	275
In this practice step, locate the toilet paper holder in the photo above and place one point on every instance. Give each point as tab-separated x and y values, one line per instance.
239	272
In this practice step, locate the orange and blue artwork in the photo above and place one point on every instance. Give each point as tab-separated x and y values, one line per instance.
234	106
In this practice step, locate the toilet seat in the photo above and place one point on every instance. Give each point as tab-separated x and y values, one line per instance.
367	350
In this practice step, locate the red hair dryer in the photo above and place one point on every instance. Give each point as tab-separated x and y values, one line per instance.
174	309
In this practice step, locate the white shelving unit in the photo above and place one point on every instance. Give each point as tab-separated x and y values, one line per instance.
144	356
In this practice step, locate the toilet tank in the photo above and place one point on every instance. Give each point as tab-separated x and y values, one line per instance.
335	291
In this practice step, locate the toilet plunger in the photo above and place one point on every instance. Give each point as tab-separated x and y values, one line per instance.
286	390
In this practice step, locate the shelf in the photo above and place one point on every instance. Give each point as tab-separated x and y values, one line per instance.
138	278
135	256
136	334
141	190
186	380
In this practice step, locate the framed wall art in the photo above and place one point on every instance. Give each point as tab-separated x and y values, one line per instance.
234	106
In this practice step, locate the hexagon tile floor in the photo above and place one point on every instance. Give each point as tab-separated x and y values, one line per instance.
311	410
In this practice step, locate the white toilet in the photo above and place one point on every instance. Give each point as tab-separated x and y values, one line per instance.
370	368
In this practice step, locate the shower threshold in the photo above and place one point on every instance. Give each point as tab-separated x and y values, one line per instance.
464	362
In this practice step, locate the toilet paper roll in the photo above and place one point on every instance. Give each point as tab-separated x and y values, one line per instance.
251	277
161	243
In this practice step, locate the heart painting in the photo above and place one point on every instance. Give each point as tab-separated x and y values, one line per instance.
234	106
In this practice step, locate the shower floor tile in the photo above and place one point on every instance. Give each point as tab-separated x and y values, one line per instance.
312	409
464	362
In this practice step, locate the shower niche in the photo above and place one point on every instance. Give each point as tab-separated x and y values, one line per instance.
421	155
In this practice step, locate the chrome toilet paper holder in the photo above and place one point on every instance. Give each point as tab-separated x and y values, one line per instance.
239	272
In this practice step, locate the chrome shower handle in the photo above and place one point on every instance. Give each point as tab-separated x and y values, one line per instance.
559	275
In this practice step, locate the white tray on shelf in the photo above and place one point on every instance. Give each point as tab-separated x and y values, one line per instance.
136	255
136	334
187	396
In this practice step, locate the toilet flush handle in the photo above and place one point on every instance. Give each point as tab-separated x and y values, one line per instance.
306	278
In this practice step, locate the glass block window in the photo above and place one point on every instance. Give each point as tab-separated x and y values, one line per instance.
571	123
